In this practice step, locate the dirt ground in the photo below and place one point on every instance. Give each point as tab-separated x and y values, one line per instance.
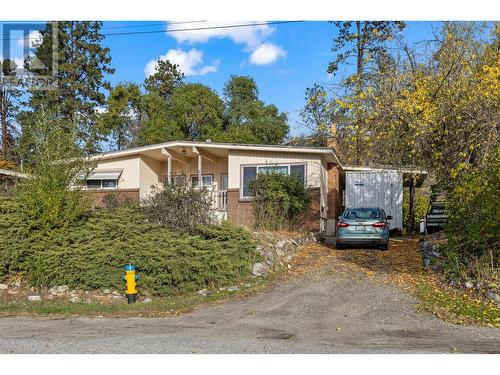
349	301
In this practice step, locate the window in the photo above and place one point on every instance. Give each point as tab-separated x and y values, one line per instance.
273	169
223	181
206	180
104	179
93	184
362	213
250	173
179	180
298	171
101	184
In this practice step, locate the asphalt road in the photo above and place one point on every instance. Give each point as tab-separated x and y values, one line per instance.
318	312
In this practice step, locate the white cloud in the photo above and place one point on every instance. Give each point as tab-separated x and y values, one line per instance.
250	36
190	62
33	39
253	38
266	53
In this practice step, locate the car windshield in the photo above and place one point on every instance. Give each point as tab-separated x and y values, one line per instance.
362	214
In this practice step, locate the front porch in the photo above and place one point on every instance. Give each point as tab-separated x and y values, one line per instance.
199	168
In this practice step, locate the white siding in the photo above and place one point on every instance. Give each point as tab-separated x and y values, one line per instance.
207	167
237	158
150	173
129	178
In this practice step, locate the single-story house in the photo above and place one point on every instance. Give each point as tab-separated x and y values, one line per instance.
227	168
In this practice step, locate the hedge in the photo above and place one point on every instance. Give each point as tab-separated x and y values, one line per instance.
91	253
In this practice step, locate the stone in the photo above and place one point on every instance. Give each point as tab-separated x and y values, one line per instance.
106	291
34	298
248	285
58	289
435	254
281	244
4	287
13	291
202	292
469	285
75	299
233	288
223	289
493	295
116	293
115	296
147	300
260	269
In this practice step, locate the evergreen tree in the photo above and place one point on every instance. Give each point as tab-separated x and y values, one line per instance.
248	119
82	64
122	117
165	80
9	104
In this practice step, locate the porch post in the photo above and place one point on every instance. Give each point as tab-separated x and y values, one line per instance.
169	169
199	170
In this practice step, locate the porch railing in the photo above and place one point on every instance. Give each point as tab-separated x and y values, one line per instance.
219	200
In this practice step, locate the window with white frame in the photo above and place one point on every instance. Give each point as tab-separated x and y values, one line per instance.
103	179
224	181
206	180
249	173
101	184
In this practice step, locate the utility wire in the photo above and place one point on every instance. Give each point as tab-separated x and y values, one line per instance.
186	29
151	24
203	28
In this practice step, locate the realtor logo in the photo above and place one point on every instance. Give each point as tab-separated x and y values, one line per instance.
21	66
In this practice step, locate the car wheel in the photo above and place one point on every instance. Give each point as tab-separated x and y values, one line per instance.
384	247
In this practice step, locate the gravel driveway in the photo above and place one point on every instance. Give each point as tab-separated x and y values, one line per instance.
322	310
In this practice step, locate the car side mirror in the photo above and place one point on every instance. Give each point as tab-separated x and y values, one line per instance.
389	217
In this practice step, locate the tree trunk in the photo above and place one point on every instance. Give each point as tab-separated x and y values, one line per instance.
359	77
3	116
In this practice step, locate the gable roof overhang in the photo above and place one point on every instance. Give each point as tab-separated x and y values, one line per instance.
211	149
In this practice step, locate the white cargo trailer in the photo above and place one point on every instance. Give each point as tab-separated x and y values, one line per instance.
376	188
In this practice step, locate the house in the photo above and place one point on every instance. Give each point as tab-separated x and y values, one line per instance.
8	179
226	170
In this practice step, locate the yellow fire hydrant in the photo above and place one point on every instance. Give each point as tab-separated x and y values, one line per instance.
130	278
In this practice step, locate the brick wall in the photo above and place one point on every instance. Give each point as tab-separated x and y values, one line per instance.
120	195
240	212
333	197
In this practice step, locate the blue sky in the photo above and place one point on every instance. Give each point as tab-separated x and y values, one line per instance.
284	59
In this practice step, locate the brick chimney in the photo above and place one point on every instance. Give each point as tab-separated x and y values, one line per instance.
332	141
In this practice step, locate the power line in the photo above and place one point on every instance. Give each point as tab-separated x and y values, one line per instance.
203	28
186	29
151	24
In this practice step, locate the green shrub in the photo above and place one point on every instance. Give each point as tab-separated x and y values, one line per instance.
278	200
421	207
473	229
91	253
182	208
51	196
